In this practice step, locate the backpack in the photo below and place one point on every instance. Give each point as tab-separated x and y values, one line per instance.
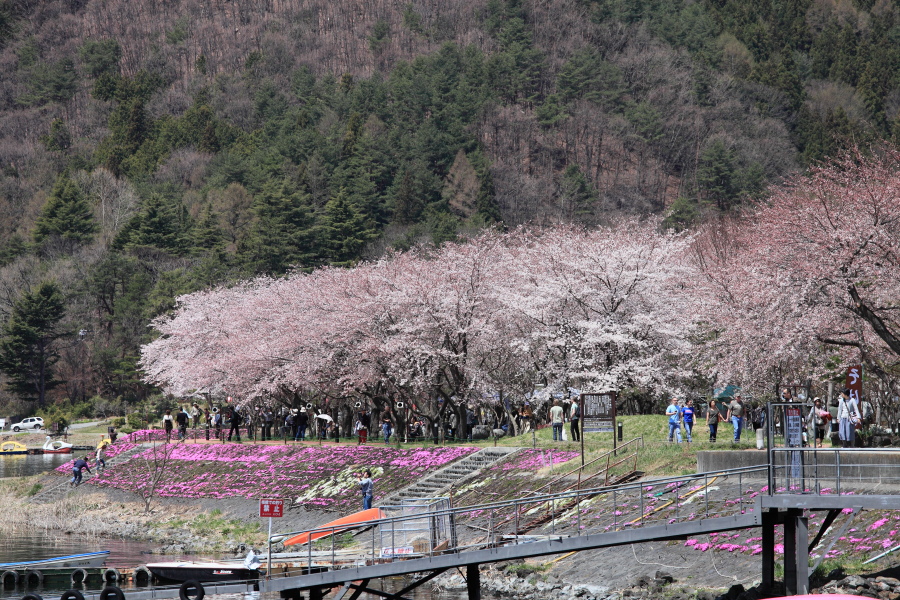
236	418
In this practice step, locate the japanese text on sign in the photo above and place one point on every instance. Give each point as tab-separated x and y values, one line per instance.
269	507
794	431
854	383
598	412
397	551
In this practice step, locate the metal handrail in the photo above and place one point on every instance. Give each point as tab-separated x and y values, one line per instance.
808	474
568	494
507	513
601	457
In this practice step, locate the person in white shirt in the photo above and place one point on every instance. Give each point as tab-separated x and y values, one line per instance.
556	420
848	418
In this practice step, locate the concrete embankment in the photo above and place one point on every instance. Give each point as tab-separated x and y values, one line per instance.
873	469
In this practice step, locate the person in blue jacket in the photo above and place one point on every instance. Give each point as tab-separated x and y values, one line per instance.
79	465
674	413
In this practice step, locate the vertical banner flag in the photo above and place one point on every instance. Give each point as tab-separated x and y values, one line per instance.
854	382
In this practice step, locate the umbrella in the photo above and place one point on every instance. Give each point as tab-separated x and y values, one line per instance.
324	417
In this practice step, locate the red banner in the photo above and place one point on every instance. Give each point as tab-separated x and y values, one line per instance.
271	507
854	382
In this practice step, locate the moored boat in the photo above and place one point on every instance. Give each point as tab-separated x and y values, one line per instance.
88	560
202	571
52	446
13	448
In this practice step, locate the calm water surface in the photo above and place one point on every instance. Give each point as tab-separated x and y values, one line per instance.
22	465
16	546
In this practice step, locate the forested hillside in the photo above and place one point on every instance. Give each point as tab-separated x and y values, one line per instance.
149	149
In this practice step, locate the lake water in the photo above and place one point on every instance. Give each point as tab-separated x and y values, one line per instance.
18	546
22	465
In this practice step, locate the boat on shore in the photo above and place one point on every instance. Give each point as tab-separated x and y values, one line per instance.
336	526
202	571
89	560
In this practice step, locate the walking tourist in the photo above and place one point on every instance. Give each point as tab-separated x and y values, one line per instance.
574	420
471	421
713	416
848	419
736	416
207	419
302	422
249	419
673	411
819	421
366	486
235	430
217	423
453	425
79	465
266	432
182	419
364	421
101	464
556	421
386	431
168	423
289	428
687	416
195	415
335	431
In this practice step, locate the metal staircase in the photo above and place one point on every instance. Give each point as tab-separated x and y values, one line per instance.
57	485
439	482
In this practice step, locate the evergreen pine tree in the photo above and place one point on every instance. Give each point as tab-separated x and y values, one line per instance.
716	174
407	203
162	223
207	235
28	347
282	235
345	231
67	214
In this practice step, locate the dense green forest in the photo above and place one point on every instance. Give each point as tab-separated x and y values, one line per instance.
153	149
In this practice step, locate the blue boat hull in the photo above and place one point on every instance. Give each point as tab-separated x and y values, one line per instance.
90	560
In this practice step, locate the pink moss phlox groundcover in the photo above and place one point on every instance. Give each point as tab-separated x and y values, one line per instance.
532	460
321	476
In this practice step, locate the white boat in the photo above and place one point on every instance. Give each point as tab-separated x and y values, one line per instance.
89	560
52	446
202	571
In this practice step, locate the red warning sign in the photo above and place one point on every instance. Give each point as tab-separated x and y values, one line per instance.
269	507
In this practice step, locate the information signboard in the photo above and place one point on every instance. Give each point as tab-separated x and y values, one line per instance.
270	507
387	552
598	413
793	415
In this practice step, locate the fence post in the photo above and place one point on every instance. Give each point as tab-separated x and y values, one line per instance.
516	507
578	502
615	507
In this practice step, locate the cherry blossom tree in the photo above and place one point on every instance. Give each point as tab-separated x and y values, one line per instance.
809	280
470	322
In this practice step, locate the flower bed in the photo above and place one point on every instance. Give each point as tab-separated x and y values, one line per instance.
514	476
320	476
